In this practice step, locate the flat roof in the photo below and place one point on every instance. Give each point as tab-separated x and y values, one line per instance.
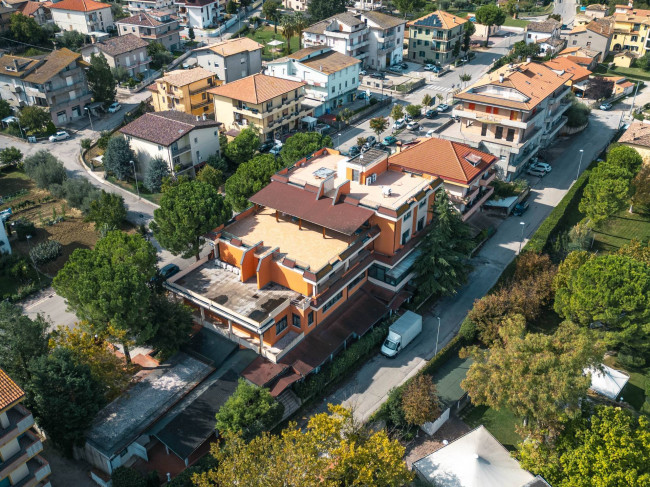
307	246
127	417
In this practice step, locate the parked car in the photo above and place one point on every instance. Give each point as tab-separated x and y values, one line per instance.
363	95
520	208
389	140
365	147
399	123
541	166
114	108
371	140
267	146
430	67
430	133
402	65
431	113
443	107
275	150
168	271
536	172
60	135
606	106
363	72
413	126
354	151
397	68
378	75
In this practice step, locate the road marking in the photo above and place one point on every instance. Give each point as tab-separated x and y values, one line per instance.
40	301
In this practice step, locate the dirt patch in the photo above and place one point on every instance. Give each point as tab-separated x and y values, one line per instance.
424	445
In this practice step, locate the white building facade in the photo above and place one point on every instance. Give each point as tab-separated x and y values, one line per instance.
199	14
82	16
344	33
386	37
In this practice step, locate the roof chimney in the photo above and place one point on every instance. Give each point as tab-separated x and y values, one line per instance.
501	78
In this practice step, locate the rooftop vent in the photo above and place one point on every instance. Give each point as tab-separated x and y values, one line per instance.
501	78
386	191
473	159
323	173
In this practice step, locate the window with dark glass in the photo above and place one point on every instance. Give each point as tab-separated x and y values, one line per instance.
281	325
510	136
310	318
295	320
332	301
498	132
356	281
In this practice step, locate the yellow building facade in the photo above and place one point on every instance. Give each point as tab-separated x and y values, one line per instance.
631	27
185	90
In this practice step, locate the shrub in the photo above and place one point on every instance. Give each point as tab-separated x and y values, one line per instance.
420	400
127	477
45	252
104	137
79	193
24	227
468	330
154	174
44	169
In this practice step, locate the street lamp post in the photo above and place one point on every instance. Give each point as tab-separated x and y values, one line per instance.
136	178
90	118
437	336
582	153
521	239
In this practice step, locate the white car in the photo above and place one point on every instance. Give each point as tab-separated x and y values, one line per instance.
276	150
606	106
430	133
541	166
363	72
60	135
413	126
399	124
429	67
114	108
443	108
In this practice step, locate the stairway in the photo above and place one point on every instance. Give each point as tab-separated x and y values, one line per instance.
290	401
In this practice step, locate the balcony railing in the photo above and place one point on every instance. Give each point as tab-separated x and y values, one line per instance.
202	103
485	181
20	420
180	150
201	89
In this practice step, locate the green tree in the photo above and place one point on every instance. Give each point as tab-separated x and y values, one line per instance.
249	178
288	30
5	109
271	11
490	15
318	10
66	397
173	322
625	157
378	125
45	169
118	157
250	410
641	186
420	401
210	175
187	212
607	192
10	155
33	118
109	286
408	6
127	477
159	54
468	32
86	143
72	39
427	100
456	49
24	27
108	212
538	377
599	88
243	147
154	173
190	34
577	114
302	144
231	7
21	341
414	110
100	80
397	111
300	23
464	78
442	265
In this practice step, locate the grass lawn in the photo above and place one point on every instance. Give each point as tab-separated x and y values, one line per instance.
500	423
634	391
636	73
130	186
620	229
264	35
510	22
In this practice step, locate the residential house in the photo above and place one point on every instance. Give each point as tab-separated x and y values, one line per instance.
624	59
297	5
57	83
20	462
5	18
637	136
200	14
153	26
5	246
596	10
621	85
630	31
183	141
432	38
580	74
551	45
332	78
595	36
36	10
345	33
231	59
368	5
386	39
137	6
320	257
274	106
85	16
465	171
586	58
512	113
185	90
536	31
126	51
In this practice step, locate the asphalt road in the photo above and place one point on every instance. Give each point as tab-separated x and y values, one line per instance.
567	9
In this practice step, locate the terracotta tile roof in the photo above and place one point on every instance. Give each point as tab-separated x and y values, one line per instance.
383	20
257	88
448	160
79	5
577	29
638	133
625	54
55	62
234	46
330	62
17	66
533	82
603	27
10	393
438	19
183	77
565	64
164	128
580	52
598	6
145	19
29	8
343	18
115	46
547	26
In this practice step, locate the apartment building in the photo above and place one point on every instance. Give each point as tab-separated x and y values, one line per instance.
596	36
466	172
184	141
273	105
200	14
137	6
537	31
20	462
185	90
85	16
56	83
512	113
297	5
345	33
126	51
231	59
630	32
153	26
331	78
432	38
386	39
323	253
369	5
580	78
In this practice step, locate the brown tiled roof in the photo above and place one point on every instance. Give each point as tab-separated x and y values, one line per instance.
257	88
438	19
384	21
234	46
29	8
638	133
330	62
598	6
344	218
164	128
8	66
535	81
547	26
580	52
10	393
565	64
145	19
122	44
79	5
55	62
603	27
345	18
183	77
445	159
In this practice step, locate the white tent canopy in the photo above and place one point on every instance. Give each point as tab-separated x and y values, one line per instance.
275	43
607	382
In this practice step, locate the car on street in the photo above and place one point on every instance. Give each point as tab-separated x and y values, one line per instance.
536	172
430	133
378	75
443	107
401	65
431	67
408	118
275	150
399	123
606	106
397	68
371	140
431	113
520	208
60	135
363	95
542	166
114	108
267	146
389	140
354	151
363	72
168	271
413	126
